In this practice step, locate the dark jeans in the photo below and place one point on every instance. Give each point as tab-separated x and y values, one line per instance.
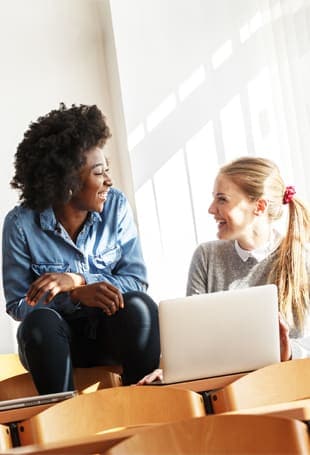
50	345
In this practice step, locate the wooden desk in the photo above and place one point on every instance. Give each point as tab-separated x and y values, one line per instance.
15	415
97	443
299	409
205	385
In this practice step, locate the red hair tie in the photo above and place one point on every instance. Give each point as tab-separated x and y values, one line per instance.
288	194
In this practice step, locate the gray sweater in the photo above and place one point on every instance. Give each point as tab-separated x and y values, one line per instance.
216	266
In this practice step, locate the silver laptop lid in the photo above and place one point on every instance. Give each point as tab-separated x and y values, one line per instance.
36	400
219	333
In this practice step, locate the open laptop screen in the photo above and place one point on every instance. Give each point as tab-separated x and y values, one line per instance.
220	333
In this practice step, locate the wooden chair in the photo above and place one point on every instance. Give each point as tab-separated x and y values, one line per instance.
5	438
105	409
16	382
229	434
85	379
10	365
298	409
93	444
281	382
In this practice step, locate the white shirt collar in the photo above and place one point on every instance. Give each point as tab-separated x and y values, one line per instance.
262	252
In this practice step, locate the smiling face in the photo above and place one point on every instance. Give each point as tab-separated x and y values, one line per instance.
233	210
95	183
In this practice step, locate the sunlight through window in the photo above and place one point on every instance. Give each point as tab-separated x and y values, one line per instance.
256	22
192	83
161	112
295	6
135	137
149	231
262	116
233	130
176	222
276	11
245	33
202	168
222	54
251	27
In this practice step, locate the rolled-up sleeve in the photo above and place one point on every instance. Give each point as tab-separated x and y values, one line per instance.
16	271
128	272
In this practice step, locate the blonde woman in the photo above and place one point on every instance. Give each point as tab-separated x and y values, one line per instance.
249	195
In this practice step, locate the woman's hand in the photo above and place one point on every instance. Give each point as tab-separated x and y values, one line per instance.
52	284
156	375
101	295
285	345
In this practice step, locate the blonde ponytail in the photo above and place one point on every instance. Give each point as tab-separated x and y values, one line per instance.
289	272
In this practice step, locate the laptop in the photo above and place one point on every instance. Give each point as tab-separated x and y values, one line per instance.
220	333
25	402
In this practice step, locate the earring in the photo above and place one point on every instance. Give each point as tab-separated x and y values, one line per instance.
70	194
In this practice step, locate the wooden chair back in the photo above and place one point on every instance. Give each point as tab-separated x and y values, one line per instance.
10	365
85	379
93	444
229	434
5	438
90	379
105	409
281	382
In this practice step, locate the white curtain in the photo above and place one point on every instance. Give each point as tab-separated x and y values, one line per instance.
286	34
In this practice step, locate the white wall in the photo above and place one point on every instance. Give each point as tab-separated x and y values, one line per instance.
51	51
204	81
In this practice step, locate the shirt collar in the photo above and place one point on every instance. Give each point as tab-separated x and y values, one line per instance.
262	252
49	222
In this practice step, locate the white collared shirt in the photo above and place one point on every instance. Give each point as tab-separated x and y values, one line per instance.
262	252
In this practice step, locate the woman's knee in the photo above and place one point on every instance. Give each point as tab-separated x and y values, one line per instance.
140	308
139	337
41	323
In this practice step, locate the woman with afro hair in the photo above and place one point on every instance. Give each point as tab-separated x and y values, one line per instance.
73	270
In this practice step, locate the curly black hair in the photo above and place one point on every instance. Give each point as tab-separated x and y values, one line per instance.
52	152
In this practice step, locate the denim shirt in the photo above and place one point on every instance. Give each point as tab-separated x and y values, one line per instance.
107	249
